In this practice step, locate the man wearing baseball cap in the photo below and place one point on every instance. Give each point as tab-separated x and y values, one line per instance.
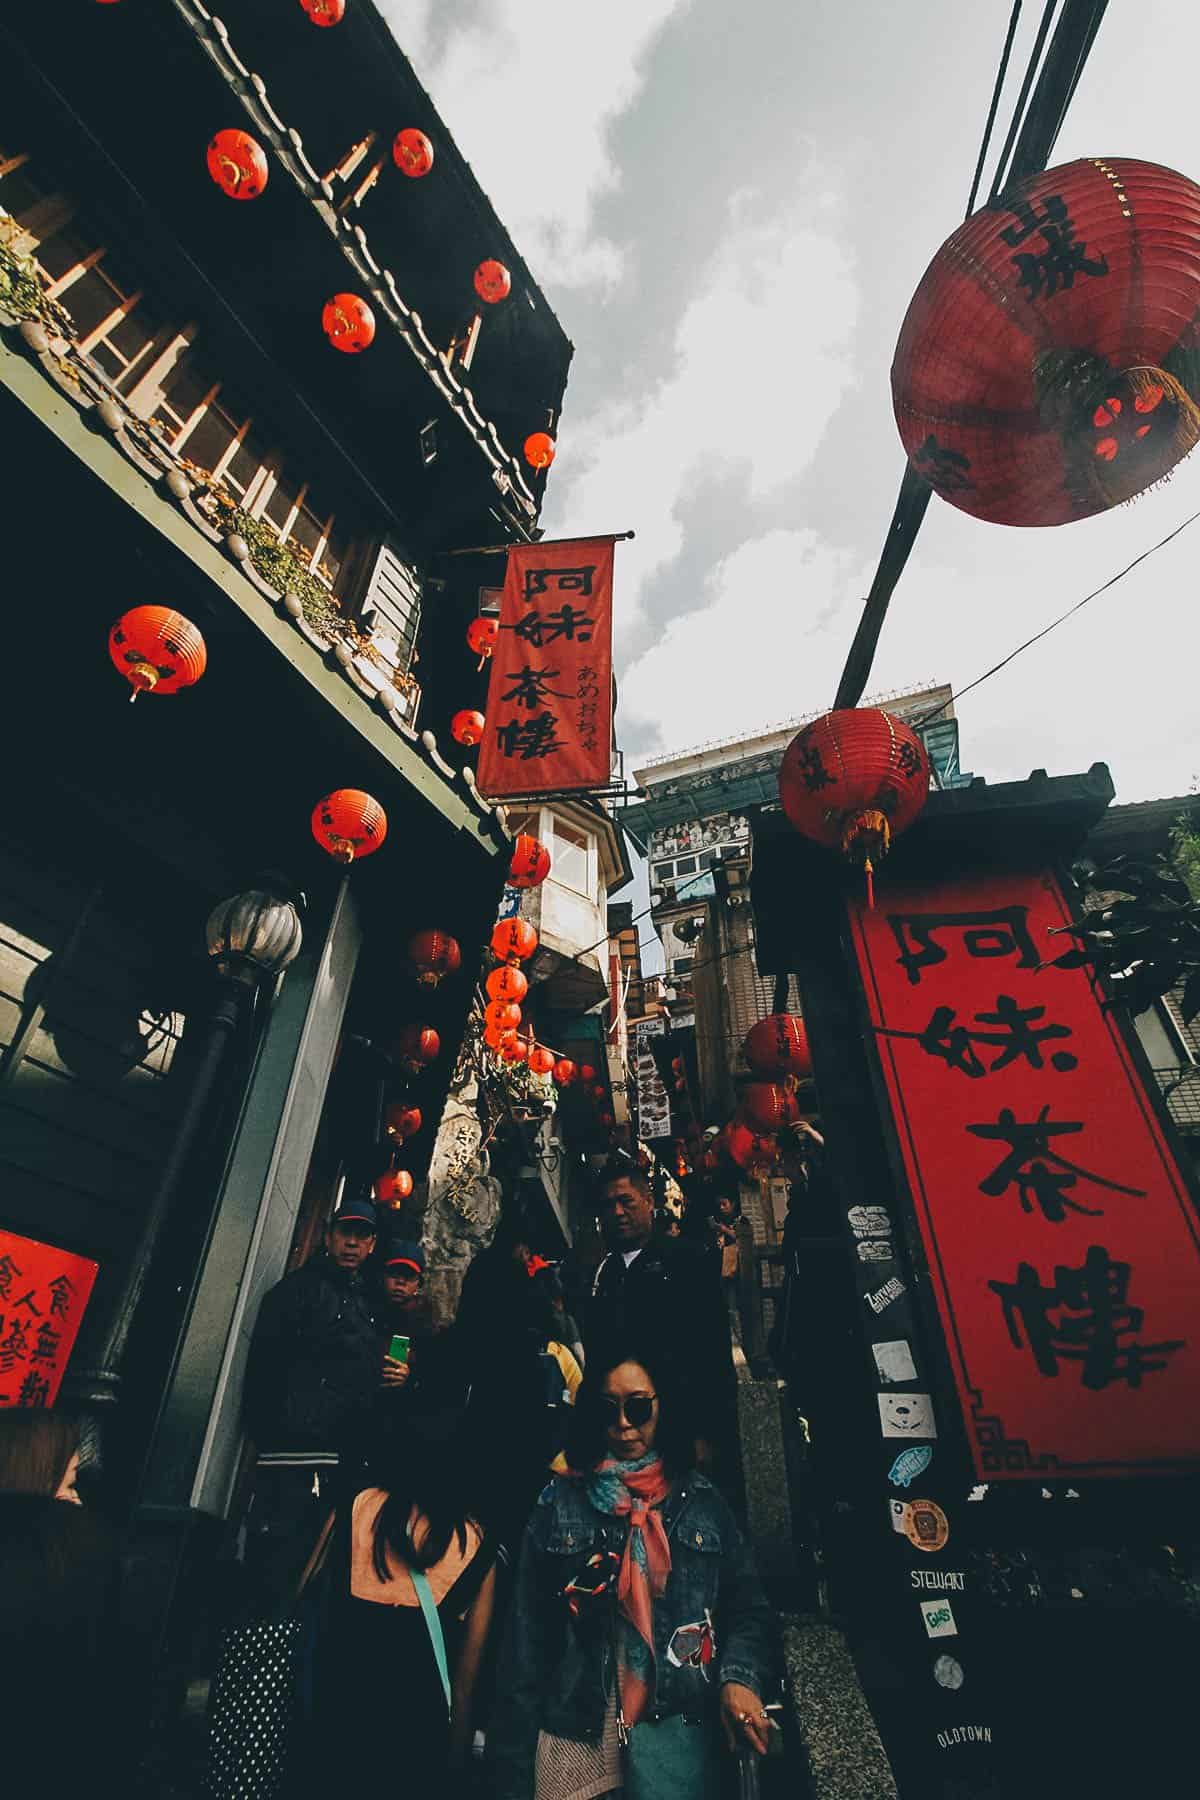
427	1372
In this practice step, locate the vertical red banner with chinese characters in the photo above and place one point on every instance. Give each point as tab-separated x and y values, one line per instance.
1062	1241
43	1296
549	711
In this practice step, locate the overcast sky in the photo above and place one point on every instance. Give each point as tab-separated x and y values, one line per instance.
729	207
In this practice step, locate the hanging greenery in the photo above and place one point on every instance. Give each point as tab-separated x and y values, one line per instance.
1142	932
22	295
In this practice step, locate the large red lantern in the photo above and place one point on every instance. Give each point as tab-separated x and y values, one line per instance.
493	282
467	727
507	984
778	1046
768	1106
349	824
412	153
433	955
393	1187
417	1047
564	1071
854	779
502	1015
325	12
157	650
513	940
238	165
541	1060
1047	367
481	637
539	450
348	323
530	863
402	1120
748	1149
514	1049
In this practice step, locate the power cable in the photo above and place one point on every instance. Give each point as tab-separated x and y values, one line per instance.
1018	116
1001	74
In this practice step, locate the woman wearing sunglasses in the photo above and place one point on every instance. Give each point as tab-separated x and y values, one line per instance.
639	1633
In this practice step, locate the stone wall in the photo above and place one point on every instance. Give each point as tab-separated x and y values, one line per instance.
462	1207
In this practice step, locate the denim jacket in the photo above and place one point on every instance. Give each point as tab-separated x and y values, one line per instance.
557	1679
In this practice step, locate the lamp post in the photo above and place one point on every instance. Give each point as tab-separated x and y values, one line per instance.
252	937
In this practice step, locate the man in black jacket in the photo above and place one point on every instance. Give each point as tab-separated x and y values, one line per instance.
315	1367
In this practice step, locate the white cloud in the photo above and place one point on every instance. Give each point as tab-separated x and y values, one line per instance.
530	93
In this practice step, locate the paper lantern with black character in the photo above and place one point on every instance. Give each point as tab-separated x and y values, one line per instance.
502	1015
493	282
417	1046
778	1046
507	984
530	863
403	1120
564	1071
513	940
348	323
854	779
157	650
1049	364
467	727
349	824
541	1060
238	165
325	12
393	1187
434	955
746	1148
412	153
767	1106
514	1049
539	450
481	637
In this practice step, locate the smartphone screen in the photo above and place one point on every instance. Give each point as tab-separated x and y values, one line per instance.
398	1349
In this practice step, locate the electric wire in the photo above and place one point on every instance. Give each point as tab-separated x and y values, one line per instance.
1001	75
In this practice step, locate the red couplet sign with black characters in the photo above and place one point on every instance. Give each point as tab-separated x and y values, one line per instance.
1062	1241
43	1296
549	711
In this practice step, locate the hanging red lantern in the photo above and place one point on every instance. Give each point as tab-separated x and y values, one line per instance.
530	863
502	1015
412	153
746	1148
507	984
541	1060
325	12
1046	369
599	1092
493	282
349	824
403	1120
564	1071
778	1046
539	450
854	779
587	1073
393	1187
348	323
467	727
481	637
768	1106
157	650
514	1049
513	940
607	1120
238	165
434	955
417	1047
495	1039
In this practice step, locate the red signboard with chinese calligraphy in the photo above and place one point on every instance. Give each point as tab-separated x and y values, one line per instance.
549	711
43	1296
1062	1242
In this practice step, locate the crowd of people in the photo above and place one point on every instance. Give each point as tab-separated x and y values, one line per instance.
500	1550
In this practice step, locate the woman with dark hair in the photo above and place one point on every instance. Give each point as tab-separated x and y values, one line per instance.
39	1454
638	1623
405	1622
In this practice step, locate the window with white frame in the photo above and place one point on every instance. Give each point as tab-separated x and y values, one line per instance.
570	852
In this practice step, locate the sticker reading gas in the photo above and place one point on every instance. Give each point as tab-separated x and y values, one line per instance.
939	1618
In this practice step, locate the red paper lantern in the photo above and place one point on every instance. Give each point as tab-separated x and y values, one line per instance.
606	1119
393	1187
403	1120
467	727
514	1049
481	637
530	863
513	940
502	1015
746	1148
587	1073
541	1060
493	282
507	984
325	12
778	1046
348	323
1047	368
349	823
564	1071
157	650
412	153
599	1092
238	165
417	1047
539	450
433	955
768	1106
854	779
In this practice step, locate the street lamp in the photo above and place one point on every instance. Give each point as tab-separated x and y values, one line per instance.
256	933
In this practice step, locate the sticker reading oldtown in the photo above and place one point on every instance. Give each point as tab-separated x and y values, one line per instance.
44	1293
1063	1248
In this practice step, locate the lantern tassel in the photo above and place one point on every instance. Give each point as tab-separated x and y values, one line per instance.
869	872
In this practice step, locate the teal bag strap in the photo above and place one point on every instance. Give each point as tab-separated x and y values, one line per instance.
433	1626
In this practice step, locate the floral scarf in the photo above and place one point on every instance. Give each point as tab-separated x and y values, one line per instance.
635	1490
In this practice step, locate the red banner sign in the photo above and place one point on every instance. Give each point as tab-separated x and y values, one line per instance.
549	711
43	1296
1062	1242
